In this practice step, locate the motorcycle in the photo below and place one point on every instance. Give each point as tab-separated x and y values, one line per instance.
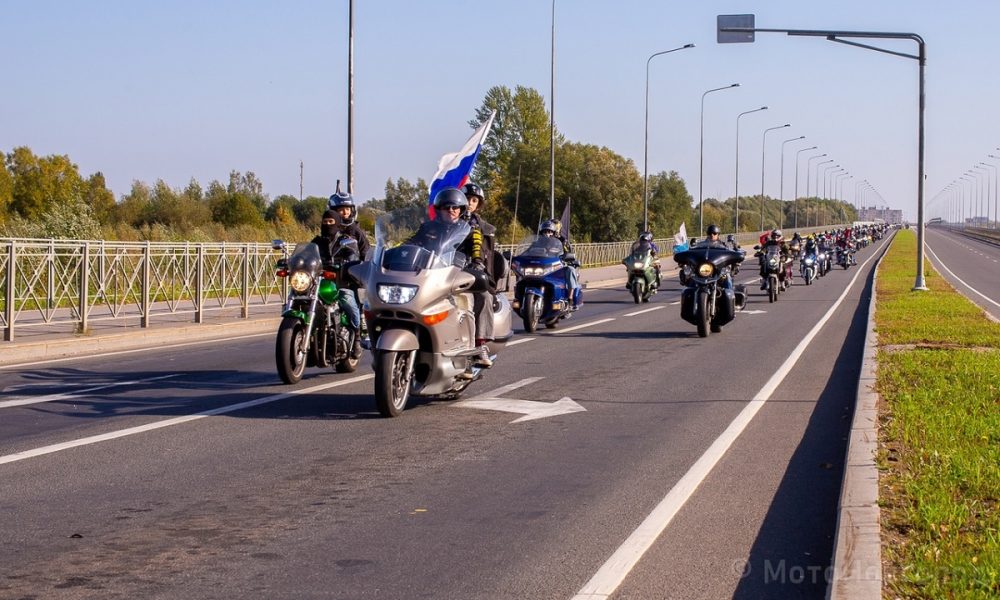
541	295
845	257
420	309
808	267
773	271
643	271
825	261
314	331
706	302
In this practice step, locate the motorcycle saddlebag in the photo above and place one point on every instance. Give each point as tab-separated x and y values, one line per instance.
725	306
687	305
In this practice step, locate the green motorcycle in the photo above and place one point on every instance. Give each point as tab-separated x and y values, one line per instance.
643	271
314	330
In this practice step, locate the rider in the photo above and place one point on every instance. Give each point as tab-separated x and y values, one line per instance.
712	241
482	243
331	231
647	237
774	239
551	228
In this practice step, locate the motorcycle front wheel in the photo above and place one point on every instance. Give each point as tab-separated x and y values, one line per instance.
532	310
290	350
392	381
637	291
772	288
702	312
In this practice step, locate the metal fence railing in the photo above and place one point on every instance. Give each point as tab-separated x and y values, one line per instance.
80	282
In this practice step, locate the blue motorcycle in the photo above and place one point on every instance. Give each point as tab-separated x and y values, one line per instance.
542	294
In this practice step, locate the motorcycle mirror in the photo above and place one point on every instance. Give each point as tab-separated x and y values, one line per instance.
756	247
277	244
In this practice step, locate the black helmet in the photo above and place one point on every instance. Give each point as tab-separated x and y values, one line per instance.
713	229
471	189
341	199
776	235
449	197
550	225
646	236
330	230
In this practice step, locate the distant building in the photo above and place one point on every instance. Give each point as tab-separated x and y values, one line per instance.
890	216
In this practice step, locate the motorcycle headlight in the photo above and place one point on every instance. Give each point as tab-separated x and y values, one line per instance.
773	262
637	265
706	269
300	281
396	294
809	261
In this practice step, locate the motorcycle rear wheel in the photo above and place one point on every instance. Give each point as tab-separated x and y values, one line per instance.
289	355
702	312
392	385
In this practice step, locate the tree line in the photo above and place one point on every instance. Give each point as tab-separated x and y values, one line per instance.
48	197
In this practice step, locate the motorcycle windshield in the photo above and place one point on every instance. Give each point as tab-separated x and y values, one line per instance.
540	246
407	240
641	248
306	258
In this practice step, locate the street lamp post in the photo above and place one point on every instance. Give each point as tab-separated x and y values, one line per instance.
829	171
981	202
796	200
763	144
972	183
781	178
701	156
996	195
736	227
645	146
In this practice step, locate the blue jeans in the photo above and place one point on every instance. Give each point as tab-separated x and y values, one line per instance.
349	304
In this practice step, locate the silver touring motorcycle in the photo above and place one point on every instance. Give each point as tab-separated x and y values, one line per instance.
420	309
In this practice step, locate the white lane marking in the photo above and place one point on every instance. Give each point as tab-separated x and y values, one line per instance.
523	340
959	279
639	312
112	435
64	395
675	303
613	572
591	324
49	361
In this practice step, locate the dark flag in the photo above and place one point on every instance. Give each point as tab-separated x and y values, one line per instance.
564	220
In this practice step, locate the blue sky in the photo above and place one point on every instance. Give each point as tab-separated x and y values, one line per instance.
181	89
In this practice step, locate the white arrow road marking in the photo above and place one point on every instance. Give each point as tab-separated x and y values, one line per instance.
64	395
529	408
639	312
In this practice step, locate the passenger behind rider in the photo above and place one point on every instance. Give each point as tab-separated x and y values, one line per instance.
480	245
332	230
551	228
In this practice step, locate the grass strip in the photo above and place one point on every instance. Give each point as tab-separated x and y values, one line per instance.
939	455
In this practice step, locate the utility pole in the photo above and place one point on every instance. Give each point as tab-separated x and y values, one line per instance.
301	169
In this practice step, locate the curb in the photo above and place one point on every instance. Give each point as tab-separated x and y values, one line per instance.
856	569
18	353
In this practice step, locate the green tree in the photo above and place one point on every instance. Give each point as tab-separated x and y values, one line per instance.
605	188
6	188
309	212
669	204
39	183
134	208
402	194
99	198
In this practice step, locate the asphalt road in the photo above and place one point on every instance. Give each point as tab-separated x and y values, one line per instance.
108	491
971	266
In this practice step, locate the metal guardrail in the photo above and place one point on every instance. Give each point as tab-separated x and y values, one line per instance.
78	282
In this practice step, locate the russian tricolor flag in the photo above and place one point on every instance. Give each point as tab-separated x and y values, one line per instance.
454	169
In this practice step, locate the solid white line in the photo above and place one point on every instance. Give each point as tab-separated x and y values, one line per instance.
175	421
49	361
591	324
522	340
675	303
639	312
943	266
613	572
64	395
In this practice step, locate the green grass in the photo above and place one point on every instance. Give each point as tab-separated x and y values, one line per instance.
939	437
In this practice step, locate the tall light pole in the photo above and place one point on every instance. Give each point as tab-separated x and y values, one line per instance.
763	144
972	183
645	145
701	157
818	165
736	227
996	194
781	177
796	200
552	120
829	171
987	178
350	98
809	168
